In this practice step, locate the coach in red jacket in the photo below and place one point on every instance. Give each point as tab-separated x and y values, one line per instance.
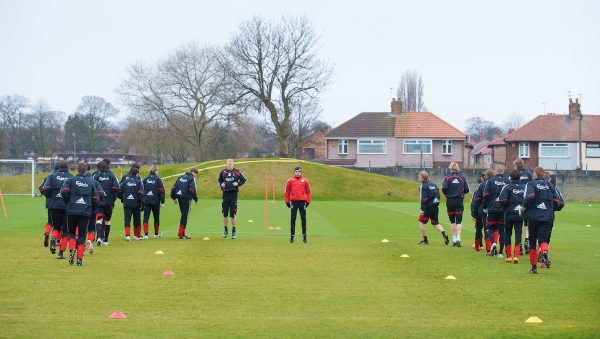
297	197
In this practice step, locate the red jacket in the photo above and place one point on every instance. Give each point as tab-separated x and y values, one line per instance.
297	189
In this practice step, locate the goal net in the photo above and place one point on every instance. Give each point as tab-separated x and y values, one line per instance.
17	177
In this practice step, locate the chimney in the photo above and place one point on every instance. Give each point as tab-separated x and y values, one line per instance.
396	106
574	109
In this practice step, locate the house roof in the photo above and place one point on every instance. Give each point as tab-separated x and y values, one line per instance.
481	147
425	125
405	125
558	127
497	142
366	124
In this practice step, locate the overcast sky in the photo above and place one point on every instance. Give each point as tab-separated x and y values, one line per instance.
476	58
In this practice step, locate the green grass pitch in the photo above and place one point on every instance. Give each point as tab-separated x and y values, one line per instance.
343	283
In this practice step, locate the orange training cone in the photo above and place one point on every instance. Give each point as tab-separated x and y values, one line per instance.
168	273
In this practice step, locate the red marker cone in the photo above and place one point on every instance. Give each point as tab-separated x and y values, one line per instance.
168	273
117	315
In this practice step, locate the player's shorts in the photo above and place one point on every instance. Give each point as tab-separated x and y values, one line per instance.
230	204
455	209
105	212
495	218
430	213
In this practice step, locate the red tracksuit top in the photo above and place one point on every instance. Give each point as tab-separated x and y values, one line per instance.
297	189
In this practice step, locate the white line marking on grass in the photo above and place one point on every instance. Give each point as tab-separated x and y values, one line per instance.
285	160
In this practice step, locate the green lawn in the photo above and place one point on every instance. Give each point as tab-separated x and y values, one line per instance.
343	283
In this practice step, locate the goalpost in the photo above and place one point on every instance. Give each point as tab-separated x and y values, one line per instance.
12	167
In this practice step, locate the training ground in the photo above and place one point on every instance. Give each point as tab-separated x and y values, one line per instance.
344	283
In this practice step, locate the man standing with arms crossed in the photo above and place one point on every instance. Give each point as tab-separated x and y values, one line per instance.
230	179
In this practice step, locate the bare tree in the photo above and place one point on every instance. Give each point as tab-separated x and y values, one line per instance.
512	122
94	112
410	92
190	90
13	117
276	66
303	117
480	128
45	126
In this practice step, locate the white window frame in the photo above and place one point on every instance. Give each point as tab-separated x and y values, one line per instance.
343	146
524	150
446	147
549	145
595	147
416	142
371	142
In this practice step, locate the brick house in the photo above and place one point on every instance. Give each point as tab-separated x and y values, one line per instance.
557	141
396	138
314	146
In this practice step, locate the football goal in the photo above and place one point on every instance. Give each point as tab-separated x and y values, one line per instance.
17	177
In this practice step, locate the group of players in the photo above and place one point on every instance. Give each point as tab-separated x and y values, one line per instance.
500	207
80	207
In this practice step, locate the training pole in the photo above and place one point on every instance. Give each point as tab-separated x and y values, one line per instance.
266	202
3	206
273	189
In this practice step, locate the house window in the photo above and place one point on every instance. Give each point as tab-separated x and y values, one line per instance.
417	146
592	150
447	147
523	150
343	147
371	146
554	150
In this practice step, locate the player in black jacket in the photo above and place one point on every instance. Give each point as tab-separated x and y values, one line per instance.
477	211
48	227
430	200
455	187
108	180
81	198
131	192
524	179
512	200
494	226
229	181
182	193
57	206
91	229
154	198
541	200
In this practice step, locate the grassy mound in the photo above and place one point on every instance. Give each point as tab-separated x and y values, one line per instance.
327	183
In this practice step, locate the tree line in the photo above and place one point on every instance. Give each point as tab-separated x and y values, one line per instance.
257	95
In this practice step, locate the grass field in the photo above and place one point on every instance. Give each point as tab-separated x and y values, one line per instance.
343	283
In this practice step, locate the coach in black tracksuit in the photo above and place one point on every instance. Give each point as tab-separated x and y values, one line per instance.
131	192
182	193
455	187
541	200
81	198
110	184
512	200
229	181
56	205
494	226
154	197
